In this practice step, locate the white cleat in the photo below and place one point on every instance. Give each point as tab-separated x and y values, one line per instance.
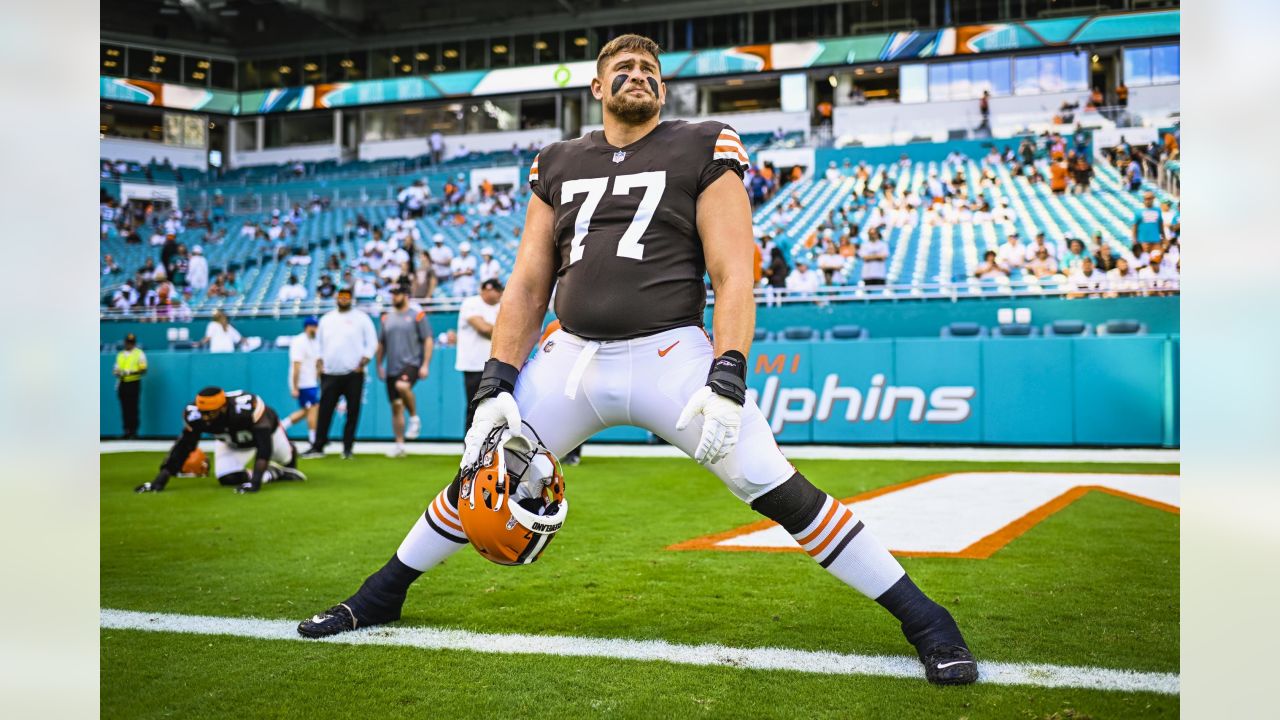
415	427
397	452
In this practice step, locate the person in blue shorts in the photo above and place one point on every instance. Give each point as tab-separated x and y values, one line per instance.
304	351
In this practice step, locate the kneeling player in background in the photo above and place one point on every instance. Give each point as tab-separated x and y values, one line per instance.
245	428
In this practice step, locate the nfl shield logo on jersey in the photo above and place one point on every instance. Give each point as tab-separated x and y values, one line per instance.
619	156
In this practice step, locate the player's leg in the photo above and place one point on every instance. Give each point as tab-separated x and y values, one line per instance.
330	391
757	473
397	415
404	386
353	391
284	458
229	463
550	417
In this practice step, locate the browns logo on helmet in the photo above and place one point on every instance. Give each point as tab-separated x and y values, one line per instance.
511	501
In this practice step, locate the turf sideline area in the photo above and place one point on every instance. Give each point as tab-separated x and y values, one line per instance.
797	452
1040	675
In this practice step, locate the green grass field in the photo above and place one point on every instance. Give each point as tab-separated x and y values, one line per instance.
1095	584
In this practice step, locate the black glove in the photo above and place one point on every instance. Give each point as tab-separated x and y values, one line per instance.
498	377
728	377
156	485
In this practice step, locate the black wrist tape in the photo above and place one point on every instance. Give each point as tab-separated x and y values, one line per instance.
728	377
498	377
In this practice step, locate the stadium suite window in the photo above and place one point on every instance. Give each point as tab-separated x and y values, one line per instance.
450	58
298	130
761	27
548	47
111	63
577	45
195	70
500	52
474	55
523	51
139	63
311	70
1157	65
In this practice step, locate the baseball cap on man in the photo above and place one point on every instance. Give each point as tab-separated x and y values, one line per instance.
310	321
131	338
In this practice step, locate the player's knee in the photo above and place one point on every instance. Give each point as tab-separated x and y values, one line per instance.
235	478
793	504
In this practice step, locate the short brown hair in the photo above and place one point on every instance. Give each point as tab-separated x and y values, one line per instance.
627	43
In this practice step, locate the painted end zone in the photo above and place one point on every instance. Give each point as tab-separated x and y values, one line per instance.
960	515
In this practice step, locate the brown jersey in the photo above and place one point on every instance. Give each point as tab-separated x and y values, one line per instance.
629	256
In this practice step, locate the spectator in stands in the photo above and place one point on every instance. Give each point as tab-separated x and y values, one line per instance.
1104	259
179	266
804	282
833	172
198	270
1003	214
125	297
436	141
476	318
463	270
1122	95
231	283
1086	279
219	335
489	268
1122	279
1042	264
1148	225
1041	244
775	275
1171	220
830	262
441	261
1133	175
248	230
1012	254
848	249
875	255
990	269
325	289
1081	174
984	108
291	290
1058	172
1158	274
109	266
1076	254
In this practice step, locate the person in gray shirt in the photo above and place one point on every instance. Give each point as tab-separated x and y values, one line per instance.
404	340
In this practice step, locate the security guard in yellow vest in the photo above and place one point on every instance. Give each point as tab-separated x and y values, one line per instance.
131	365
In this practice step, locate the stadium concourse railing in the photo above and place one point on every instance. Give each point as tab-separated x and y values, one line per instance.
763	296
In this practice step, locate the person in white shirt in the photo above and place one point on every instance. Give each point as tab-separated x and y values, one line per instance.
304	383
275	230
220	336
248	230
833	172
198	270
441	261
347	341
1159	274
291	290
830	262
475	326
874	254
437	146
1034	248
1122	279
490	269
463	269
1012	254
1086	279
803	281
1003	214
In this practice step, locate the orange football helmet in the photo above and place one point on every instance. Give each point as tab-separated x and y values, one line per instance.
196	464
511	501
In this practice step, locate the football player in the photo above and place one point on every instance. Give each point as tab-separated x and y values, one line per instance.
623	223
245	429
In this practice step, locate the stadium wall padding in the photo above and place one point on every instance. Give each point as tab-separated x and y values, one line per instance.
883	319
1089	391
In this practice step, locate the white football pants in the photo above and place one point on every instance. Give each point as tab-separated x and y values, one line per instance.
573	388
228	459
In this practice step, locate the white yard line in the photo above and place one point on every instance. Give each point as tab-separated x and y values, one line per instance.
797	452
825	663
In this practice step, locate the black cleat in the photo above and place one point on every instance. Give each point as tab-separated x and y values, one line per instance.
288	474
338	619
312	453
949	665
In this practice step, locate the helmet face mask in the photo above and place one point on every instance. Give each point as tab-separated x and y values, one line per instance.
511	502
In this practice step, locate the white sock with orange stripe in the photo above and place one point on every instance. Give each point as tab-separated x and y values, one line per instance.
437	535
847	549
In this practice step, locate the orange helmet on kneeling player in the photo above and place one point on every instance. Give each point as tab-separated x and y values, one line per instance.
511	502
196	464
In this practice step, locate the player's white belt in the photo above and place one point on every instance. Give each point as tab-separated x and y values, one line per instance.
579	369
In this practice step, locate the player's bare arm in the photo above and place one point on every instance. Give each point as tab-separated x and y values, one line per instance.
524	302
724	223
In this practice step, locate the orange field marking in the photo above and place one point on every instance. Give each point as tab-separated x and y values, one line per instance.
979	550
